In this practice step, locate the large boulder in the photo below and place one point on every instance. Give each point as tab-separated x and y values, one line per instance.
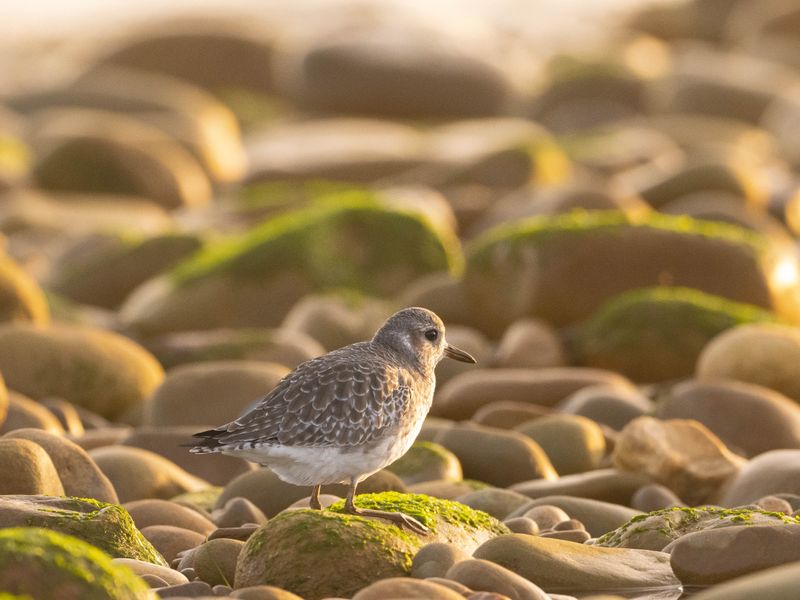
657	529
47	565
301	550
99	370
253	280
562	268
657	334
106	526
210	393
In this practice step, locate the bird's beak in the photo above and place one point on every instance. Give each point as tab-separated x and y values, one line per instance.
458	354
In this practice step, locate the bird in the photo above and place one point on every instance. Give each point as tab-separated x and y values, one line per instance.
347	414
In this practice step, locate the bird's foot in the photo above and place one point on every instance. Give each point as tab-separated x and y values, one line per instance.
315	503
398	518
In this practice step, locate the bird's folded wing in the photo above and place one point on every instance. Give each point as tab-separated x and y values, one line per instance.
342	404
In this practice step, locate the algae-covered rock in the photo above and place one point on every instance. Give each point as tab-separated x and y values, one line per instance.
343	241
426	461
653	531
109	527
99	370
562	268
106	276
47	565
326	553
21	298
656	334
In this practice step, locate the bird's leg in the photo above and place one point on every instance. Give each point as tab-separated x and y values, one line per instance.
314	502
397	518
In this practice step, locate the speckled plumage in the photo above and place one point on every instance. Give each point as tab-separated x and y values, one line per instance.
345	415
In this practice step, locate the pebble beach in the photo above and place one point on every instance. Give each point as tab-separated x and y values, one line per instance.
606	216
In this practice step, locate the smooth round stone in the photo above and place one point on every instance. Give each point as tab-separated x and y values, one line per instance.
215	561
522	525
397	72
681	454
579	536
496	456
573	443
568	525
154	581
151	511
749	418
193	589
236	512
654	496
170	540
774	472
189	395
778	583
447	490
613	406
482	575
496	501
22	412
529	344
453	585
241	533
436	559
508	414
546	516
79	474
404	587
775	504
598	517
716	555
25	468
558	564
609	485
94	368
170	441
140	567
466	393
762	354
138	474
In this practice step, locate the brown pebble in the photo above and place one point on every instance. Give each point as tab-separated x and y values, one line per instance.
774	504
569	525
522	525
242	533
546	516
579	536
193	589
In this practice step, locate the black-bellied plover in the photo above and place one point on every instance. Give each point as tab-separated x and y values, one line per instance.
347	414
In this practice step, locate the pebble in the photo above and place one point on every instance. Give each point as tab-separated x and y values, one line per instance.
573	443
435	559
579	536
241	533
598	517
170	540
482	575
193	589
774	472
654	496
608	485
546	516
236	512
25	468
147	513
404	587
522	525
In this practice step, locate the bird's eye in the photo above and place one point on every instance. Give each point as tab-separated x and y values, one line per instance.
431	335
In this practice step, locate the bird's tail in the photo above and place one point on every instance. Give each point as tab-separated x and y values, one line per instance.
206	442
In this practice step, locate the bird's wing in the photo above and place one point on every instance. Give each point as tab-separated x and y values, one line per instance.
323	404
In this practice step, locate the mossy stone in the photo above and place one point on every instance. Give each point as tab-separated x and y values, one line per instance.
92	368
656	334
327	553
48	565
561	268
655	530
343	241
427	461
109	527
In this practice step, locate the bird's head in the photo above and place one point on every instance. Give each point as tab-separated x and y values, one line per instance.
418	334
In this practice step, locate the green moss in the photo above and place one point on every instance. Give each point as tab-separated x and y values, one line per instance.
678	520
579	222
54	561
108	527
669	325
343	240
427	509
